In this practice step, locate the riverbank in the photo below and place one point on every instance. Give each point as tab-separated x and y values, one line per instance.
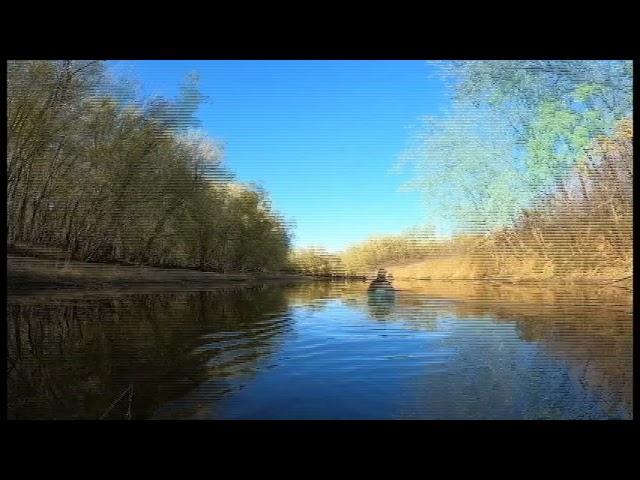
48	271
28	273
466	268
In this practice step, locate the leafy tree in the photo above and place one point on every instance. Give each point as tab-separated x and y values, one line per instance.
516	129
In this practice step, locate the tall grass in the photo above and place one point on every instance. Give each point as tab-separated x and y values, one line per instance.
583	229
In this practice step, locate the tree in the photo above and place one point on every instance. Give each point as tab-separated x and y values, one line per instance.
515	129
109	177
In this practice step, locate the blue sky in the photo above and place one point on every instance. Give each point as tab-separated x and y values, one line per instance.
322	137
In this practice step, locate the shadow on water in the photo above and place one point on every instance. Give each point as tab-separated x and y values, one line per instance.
461	350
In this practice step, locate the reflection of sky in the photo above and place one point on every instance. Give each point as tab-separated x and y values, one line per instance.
336	364
496	375
339	362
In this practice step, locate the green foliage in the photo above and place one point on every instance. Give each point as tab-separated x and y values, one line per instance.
467	170
516	128
108	179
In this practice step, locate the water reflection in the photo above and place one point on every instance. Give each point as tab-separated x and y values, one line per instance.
72	359
325	350
381	303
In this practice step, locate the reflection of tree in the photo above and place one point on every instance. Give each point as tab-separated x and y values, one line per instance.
594	339
72	359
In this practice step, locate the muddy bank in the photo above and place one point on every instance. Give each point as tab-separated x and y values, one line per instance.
26	274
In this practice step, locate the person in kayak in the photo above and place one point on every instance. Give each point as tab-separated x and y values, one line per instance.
381	281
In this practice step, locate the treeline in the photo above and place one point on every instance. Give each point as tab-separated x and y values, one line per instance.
388	250
110	178
366	257
359	259
536	156
315	261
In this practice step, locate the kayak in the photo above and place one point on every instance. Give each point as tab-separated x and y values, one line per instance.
382	286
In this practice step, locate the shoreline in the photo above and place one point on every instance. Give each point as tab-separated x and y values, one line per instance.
32	274
26	274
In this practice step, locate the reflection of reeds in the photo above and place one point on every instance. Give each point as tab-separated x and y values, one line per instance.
589	327
535	294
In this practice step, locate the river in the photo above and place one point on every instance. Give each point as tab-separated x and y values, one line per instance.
323	350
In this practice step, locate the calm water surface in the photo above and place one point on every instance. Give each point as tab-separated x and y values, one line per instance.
432	350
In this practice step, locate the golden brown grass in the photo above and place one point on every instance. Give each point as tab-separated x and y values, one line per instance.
582	231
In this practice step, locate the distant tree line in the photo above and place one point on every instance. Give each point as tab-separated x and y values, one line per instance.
108	177
366	257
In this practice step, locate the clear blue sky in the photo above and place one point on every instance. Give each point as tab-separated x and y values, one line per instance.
322	137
